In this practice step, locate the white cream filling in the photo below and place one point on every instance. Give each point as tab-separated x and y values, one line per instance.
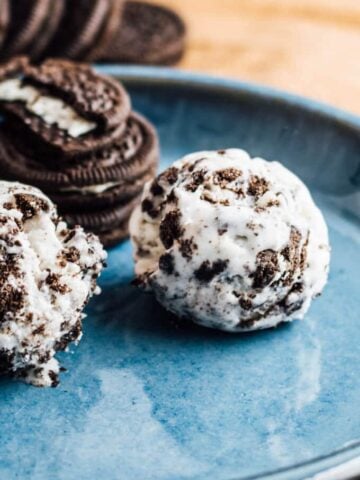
92	189
50	109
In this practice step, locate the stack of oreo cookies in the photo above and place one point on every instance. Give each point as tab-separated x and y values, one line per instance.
90	30
71	133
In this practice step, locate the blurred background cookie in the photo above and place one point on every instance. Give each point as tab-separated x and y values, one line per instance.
4	19
48	29
86	28
116	31
26	19
148	34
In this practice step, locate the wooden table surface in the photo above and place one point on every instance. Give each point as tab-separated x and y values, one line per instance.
310	47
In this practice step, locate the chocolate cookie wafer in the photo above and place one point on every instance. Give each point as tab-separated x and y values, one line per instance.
106	32
48	29
111	225
102	196
148	34
4	19
85	28
26	20
103	220
61	108
101	180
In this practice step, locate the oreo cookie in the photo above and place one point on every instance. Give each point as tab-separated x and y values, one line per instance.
96	186
85	28
147	34
62	108
26	20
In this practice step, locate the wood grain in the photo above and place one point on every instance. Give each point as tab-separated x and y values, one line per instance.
310	47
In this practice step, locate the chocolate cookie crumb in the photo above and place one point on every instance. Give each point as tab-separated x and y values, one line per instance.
29	205
170	228
53	280
257	186
207	271
72	335
39	330
69	235
197	178
172	198
187	247
156	189
225	176
303	254
148	207
170	175
272	203
245	303
267	267
72	254
166	263
11	300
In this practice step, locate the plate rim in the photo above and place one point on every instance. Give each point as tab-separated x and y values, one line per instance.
147	75
214	83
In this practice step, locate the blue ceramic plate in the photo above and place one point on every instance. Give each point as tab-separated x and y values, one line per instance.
145	400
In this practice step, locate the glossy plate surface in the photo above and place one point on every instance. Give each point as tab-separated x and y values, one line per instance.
144	399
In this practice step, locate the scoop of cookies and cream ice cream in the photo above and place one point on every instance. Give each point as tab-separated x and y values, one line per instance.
48	273
230	242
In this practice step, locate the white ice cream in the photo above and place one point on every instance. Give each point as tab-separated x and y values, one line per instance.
50	109
48	273
230	242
